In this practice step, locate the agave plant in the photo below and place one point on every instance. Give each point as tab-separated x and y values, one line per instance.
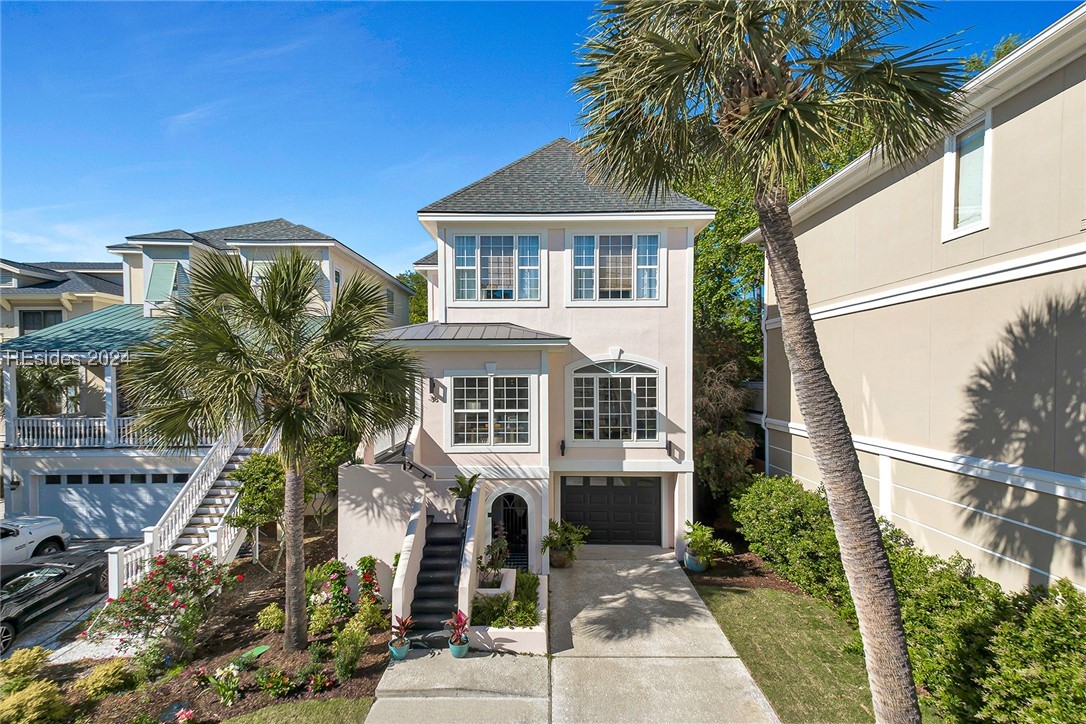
458	628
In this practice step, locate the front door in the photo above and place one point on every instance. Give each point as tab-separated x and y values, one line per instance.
511	513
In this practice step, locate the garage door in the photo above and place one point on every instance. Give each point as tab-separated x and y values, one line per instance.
107	505
616	509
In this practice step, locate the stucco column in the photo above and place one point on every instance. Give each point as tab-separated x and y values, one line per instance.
109	377
11	406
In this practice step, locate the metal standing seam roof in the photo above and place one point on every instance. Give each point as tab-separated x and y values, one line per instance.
116	328
553	180
446	332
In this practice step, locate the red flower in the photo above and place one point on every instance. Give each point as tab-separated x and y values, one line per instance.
169	586
216	580
240	577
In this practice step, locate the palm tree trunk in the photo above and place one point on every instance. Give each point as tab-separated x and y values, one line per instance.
295	637
866	564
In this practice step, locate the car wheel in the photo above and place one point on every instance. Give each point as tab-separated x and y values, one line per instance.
7	636
48	548
101	583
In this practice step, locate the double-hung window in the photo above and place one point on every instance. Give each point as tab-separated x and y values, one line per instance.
615	401
32	321
966	179
496	267
616	267
491	411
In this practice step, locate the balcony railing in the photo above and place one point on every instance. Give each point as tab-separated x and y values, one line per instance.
81	432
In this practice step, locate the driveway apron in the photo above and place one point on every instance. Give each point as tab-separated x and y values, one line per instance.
632	641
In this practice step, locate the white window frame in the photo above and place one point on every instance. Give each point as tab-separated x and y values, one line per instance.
661	268
491	372
950	180
479	302
661	403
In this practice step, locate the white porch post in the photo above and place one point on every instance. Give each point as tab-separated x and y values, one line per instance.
116	571
11	407
149	537
109	374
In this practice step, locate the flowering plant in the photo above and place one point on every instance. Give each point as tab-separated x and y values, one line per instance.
319	681
226	682
458	628
274	682
185	715
368	588
328	583
173	597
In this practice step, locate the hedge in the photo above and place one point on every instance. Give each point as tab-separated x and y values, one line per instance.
980	653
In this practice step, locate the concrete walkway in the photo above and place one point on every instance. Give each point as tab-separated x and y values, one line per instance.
633	642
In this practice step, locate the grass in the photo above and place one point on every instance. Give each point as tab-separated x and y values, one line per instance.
310	712
793	646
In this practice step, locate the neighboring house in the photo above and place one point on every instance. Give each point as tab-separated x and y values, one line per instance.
950	304
39	295
91	469
557	364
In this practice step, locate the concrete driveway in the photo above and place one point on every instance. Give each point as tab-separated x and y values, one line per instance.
632	641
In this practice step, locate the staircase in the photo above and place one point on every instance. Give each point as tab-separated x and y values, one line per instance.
214	505
435	598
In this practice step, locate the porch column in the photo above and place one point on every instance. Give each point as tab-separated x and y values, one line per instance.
11	406
109	376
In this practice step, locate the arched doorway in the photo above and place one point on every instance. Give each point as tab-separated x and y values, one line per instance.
510	511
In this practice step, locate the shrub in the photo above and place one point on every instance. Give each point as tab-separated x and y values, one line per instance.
271	618
371	617
152	661
40	702
107	678
323	457
369	590
703	545
319	651
321	619
517	611
1038	671
23	663
326	583
274	682
174	597
493	560
349	646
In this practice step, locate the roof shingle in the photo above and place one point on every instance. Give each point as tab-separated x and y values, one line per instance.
552	180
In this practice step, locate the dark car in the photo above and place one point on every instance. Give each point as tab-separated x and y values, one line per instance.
31	590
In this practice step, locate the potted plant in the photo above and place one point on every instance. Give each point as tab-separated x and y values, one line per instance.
400	644
458	634
492	561
702	547
563	541
462	493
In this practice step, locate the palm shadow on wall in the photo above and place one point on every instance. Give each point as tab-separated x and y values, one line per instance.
1026	405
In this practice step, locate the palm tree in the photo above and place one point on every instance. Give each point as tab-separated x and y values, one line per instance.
266	354
673	87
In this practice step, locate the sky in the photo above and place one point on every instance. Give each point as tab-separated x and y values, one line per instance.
125	118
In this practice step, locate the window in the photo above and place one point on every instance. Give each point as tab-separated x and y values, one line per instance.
966	180
337	277
32	321
491	411
117	479
7	279
390	302
162	281
616	266
33	578
494	267
95	479
615	401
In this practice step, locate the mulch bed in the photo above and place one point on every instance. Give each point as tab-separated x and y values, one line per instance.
744	570
232	632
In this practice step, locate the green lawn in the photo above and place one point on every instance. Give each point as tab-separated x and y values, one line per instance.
792	645
310	712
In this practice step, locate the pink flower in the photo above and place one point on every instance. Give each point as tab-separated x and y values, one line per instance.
333	577
184	715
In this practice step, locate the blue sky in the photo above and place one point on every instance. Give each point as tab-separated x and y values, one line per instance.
125	118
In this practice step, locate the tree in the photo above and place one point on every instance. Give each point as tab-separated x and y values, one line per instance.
322	460
46	389
268	355
673	88
261	498
980	62
418	310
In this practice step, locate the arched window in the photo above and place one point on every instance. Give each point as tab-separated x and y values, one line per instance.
615	400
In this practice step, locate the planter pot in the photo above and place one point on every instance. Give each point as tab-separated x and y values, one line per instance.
458	512
695	564
459	651
560	559
399	653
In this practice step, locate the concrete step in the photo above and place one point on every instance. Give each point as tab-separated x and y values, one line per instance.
453	709
427	623
436	674
443	607
440	591
442	576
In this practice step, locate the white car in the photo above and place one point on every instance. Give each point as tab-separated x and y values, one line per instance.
31	535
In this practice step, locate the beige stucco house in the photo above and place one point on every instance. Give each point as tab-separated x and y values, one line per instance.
91	468
556	367
950	304
38	295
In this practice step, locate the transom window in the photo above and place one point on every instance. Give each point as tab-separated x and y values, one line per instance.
615	401
616	266
495	267
490	411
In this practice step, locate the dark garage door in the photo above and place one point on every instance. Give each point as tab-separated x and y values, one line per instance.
616	509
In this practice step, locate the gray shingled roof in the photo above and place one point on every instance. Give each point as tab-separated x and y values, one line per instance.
428	260
496	332
551	180
38	271
115	266
272	230
74	282
171	235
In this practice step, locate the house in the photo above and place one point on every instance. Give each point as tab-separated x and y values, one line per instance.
950	303
92	468
557	361
39	295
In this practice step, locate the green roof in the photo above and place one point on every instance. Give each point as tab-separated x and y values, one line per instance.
116	328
